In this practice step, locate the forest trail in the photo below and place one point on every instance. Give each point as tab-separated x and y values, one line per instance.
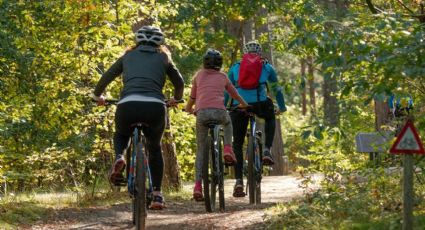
186	214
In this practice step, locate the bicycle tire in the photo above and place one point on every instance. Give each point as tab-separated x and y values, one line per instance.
213	176
128	155
251	171
221	174
208	178
140	210
259	172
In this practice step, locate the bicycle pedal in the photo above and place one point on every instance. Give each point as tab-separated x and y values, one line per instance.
121	184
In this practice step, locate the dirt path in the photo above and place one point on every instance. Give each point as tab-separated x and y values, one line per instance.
184	214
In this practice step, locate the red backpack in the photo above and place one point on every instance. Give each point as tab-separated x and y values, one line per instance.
250	71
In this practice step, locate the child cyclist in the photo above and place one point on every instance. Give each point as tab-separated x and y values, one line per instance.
207	94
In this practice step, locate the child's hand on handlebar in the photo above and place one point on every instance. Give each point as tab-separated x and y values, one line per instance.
189	110
172	102
243	106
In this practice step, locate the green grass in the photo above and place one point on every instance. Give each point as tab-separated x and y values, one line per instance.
29	208
345	213
26	209
25	212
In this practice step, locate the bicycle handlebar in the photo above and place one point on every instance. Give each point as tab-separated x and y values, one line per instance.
248	109
115	101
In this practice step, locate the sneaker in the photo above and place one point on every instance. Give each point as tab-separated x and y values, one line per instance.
228	155
197	192
267	158
116	176
238	189
157	202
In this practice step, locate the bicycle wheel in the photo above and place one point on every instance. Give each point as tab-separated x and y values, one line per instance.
139	200
209	181
219	158
258	170
251	170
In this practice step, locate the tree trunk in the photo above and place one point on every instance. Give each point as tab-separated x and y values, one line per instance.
144	18
330	86
262	29
281	166
382	114
277	148
247	31
311	85
235	29
171	167
303	88
330	102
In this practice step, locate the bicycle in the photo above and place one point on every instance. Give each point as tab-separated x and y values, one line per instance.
212	168
137	173
254	154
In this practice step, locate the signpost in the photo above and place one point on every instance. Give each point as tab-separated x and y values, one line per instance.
408	143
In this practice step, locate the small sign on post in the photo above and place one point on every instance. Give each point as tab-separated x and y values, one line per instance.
407	143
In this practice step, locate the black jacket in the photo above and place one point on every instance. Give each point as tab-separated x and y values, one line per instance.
143	70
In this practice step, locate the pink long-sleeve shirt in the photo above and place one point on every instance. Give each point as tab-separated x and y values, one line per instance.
208	89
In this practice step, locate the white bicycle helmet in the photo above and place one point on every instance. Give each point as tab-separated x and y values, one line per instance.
252	47
150	34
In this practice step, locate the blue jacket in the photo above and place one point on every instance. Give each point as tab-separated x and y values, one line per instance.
268	75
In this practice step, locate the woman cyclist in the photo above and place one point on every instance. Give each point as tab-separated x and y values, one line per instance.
144	69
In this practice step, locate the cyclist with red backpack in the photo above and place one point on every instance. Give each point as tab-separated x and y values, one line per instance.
252	77
207	94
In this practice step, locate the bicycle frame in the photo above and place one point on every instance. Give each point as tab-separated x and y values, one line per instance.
137	135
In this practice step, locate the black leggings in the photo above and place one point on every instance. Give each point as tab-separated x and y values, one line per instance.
151	113
240	120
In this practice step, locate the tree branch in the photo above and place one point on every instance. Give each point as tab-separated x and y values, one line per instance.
405	7
371	7
420	88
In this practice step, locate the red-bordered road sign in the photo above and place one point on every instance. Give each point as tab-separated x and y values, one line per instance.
408	141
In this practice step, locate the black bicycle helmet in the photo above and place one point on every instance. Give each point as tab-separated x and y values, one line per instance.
213	59
150	34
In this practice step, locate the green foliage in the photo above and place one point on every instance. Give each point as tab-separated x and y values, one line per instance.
183	129
370	56
53	52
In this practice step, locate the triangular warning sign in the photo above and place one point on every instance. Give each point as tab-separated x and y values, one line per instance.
408	141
